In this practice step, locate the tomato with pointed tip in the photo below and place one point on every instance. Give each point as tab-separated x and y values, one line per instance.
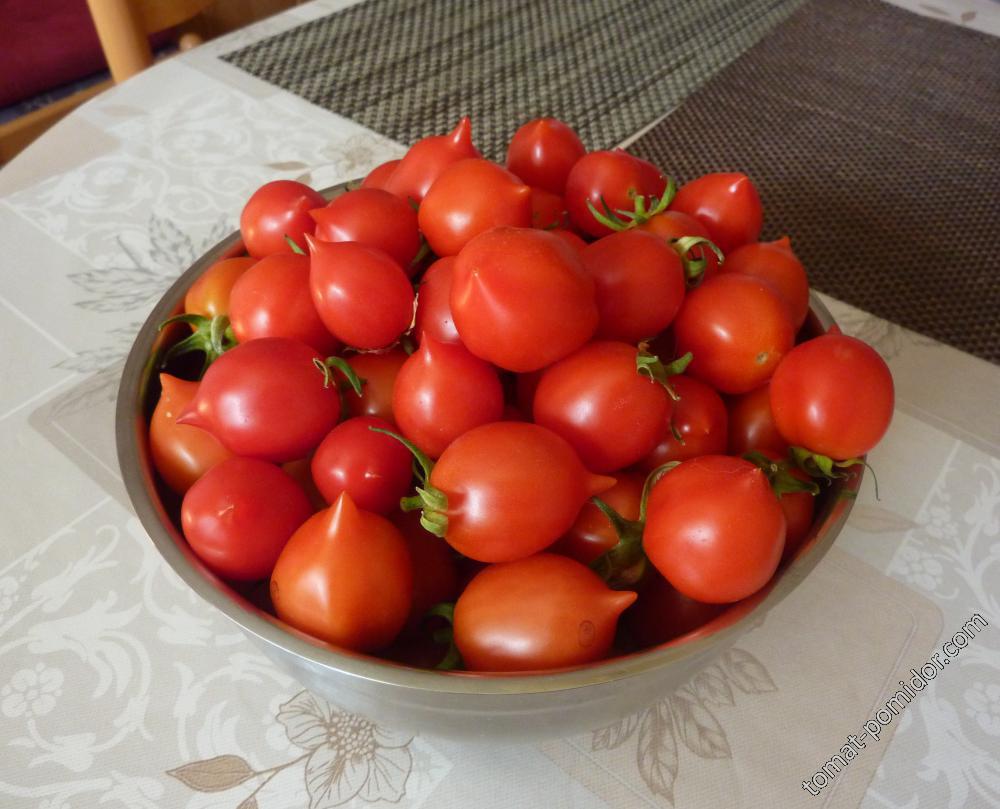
639	281
613	179
543	151
714	529
727	204
775	263
507	490
345	577
673	225
433	306
265	399
181	453
599	402
834	396
238	516
377	372
471	197
426	159
374	218
373	468
275	210
751	424
378	176
272	299
362	295
738	329
548	211
592	534
443	391
696	426
521	298
209	294
543	612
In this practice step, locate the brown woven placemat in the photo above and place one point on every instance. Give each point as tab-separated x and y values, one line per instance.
872	134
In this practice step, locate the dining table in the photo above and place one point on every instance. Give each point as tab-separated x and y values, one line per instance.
872	130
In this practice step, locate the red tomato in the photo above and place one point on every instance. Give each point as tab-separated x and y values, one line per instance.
433	307
570	238
834	396
521	298
373	468
737	328
302	474
379	175
593	535
543	151
775	263
443	391
345	577
377	372
548	211
598	401
238	516
639	281
672	225
468	198
699	418
181	453
276	210
265	399
363	297
751	424
512	489
661	613
272	299
714	529
374	218
427	159
435	574
727	204
209	294
543	612
614	177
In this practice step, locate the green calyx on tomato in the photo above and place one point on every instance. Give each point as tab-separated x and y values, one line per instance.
826	468
694	268
624	565
452	659
326	368
431	501
650	365
621	219
212	336
294	245
779	475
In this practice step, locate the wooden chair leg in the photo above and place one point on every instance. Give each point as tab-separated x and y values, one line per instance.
123	37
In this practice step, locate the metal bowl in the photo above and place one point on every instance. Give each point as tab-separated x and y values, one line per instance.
465	705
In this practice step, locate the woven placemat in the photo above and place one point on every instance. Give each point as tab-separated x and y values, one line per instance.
872	134
409	68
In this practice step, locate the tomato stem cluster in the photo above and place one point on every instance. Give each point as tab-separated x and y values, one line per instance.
650	365
327	366
779	475
825	467
431	501
212	336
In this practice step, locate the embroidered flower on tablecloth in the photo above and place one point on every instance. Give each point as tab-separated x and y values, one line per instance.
983	703
31	692
8	594
924	571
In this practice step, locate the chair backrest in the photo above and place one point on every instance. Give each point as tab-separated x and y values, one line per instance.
124	26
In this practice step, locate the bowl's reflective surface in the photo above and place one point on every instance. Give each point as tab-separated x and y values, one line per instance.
455	704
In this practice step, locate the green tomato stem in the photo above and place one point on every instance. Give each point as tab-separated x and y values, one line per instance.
825	467
779	475
212	336
432	502
327	366
624	565
452	659
648	364
694	268
294	245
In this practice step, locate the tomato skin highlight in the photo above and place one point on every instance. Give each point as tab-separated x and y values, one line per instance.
471	197
373	468
834	396
715	529
427	159
639	282
738	329
433	303
513	488
521	298
542	153
272	299
265	399
181	453
698	416
775	263
597	400
443	391
592	534
374	218
275	210
727	204
238	516
542	612
363	297
209	294
345	577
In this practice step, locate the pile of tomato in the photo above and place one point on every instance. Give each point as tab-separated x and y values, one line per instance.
508	418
